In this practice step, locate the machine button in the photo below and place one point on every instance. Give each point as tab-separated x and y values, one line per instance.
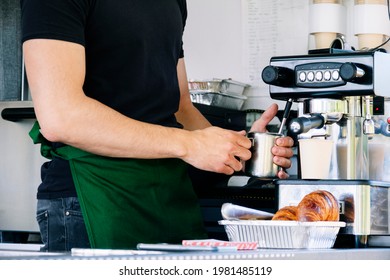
310	76
335	75
302	76
327	75
319	76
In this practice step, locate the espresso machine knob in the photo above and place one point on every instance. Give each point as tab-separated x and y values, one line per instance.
349	71
388	125
303	124
278	76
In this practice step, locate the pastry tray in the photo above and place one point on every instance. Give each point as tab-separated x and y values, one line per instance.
283	234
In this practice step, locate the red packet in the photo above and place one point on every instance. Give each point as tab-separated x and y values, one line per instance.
220	243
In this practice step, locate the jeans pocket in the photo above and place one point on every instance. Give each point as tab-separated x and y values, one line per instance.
43	223
77	236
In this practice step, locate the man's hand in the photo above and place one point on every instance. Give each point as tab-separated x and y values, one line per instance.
218	150
282	150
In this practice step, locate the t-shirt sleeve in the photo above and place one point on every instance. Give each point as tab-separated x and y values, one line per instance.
54	19
183	8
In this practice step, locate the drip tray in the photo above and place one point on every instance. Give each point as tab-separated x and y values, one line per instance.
379	241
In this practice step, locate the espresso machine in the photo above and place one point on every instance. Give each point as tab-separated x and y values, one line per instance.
342	96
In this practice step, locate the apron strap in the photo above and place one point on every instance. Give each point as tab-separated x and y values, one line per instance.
47	150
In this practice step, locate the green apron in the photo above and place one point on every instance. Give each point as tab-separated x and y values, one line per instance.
129	201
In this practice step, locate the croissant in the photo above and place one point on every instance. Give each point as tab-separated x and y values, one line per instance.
319	205
286	213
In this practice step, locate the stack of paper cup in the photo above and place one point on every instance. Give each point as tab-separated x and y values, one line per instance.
326	21
371	22
315	155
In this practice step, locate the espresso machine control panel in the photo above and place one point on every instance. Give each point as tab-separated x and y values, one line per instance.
327	75
319	75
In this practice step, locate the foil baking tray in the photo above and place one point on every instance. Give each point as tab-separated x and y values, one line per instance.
225	86
231	211
218	99
224	93
283	234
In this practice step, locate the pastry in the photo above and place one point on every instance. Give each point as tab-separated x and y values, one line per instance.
286	213
319	205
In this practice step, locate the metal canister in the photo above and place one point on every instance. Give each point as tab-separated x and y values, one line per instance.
261	163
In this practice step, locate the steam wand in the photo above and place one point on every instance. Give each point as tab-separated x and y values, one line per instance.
286	113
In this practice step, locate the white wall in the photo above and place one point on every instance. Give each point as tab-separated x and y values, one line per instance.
20	162
214	46
214	39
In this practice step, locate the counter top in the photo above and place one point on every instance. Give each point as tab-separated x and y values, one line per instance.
31	252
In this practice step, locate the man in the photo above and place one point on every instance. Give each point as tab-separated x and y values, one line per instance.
110	93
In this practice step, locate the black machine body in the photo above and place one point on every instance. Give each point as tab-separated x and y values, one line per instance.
330	75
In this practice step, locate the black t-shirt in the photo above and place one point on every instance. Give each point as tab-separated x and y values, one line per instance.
132	48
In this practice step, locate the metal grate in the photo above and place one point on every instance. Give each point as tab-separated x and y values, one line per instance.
10	51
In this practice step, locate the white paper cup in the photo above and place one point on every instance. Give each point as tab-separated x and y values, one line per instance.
326	1
342	162
376	159
315	155
375	2
324	40
370	41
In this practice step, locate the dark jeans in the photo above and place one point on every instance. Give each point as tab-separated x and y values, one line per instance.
61	224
